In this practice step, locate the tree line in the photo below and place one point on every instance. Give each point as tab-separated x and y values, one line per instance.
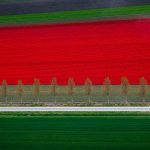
88	87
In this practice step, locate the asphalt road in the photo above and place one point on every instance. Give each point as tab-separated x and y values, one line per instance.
119	109
12	7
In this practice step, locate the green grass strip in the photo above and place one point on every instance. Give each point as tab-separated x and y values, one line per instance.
46	114
56	17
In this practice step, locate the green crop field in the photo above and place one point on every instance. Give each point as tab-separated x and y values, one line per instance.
59	17
75	131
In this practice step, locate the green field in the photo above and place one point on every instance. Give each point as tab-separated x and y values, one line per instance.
75	131
69	16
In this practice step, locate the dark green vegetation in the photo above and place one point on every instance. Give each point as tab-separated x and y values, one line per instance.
60	17
76	131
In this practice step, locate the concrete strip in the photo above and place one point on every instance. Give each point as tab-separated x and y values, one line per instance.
90	109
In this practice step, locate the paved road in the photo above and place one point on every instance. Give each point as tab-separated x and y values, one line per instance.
3	109
10	7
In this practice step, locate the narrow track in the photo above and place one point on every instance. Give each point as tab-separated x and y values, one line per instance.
90	109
